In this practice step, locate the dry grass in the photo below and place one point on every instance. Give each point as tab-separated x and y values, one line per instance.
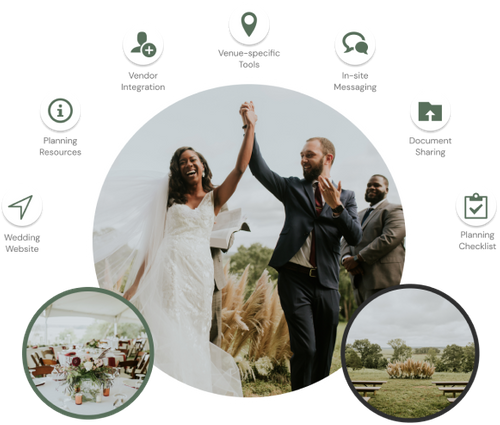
412	369
255	329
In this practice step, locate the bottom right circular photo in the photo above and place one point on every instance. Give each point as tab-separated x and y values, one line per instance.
410	353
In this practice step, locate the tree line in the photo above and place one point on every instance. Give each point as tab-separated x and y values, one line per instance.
363	354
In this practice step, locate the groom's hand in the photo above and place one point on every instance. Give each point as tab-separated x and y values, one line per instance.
330	193
247	112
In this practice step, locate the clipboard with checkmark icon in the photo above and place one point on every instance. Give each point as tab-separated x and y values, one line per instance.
476	207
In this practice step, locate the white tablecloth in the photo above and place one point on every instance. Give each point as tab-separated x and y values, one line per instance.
66	360
53	392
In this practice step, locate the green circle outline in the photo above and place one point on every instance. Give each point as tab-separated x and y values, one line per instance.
25	361
70	113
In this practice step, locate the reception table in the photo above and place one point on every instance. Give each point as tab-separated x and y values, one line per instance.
65	360
53	391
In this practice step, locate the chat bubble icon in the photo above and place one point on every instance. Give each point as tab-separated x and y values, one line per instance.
362	47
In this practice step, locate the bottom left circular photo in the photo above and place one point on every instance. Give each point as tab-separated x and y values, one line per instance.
88	353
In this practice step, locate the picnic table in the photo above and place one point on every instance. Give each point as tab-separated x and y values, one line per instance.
366	388
452	383
368	382
449	387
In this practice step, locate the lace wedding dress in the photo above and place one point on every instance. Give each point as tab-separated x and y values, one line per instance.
175	297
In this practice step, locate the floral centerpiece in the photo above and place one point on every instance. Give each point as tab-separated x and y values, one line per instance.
93	344
88	377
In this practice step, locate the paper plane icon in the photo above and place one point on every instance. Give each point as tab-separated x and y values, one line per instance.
22	205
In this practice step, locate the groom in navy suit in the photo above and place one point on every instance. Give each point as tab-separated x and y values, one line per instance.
318	214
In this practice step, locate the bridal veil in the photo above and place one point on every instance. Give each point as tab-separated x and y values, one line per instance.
129	228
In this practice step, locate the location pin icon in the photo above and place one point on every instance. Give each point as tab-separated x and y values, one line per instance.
249	27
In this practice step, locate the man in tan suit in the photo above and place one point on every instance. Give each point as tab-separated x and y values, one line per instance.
219	283
377	261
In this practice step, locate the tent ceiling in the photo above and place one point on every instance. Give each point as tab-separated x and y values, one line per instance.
92	304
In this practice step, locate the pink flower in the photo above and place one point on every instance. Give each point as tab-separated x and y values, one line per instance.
76	361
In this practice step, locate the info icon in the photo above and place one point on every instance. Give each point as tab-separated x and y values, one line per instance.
355	46
142	46
60	112
430	112
249	25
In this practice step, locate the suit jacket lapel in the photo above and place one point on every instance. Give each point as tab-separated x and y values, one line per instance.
372	214
308	189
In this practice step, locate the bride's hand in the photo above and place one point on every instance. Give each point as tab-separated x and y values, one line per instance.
247	111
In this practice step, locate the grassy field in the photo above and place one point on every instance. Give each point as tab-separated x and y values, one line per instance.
281	385
408	398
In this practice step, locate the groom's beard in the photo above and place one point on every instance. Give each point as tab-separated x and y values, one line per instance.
314	172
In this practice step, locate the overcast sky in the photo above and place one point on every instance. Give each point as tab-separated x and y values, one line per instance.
419	317
209	122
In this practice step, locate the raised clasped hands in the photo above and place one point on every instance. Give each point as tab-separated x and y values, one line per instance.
247	112
330	193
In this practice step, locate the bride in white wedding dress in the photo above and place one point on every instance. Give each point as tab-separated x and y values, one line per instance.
174	291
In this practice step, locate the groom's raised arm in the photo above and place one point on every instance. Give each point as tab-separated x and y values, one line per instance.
268	178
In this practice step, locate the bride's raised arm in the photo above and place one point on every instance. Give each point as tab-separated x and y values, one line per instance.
223	192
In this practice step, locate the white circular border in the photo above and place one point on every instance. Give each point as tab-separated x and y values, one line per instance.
235	29
176	97
33	218
53	93
413	110
338	47
143	61
459	204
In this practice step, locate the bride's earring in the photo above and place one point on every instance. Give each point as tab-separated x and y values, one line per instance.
203	174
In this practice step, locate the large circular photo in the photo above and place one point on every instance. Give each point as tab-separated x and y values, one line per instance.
247	223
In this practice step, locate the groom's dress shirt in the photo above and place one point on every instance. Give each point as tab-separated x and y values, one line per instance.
304	253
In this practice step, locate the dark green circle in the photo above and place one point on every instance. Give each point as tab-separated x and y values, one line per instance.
70	112
144	50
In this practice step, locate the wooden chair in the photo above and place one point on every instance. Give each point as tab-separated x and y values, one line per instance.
42	370
128	368
134	350
49	362
140	348
36	359
142	367
46	353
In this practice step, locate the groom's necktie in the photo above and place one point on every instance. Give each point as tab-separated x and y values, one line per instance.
319	207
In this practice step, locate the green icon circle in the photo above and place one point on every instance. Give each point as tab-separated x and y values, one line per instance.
148	50
70	110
